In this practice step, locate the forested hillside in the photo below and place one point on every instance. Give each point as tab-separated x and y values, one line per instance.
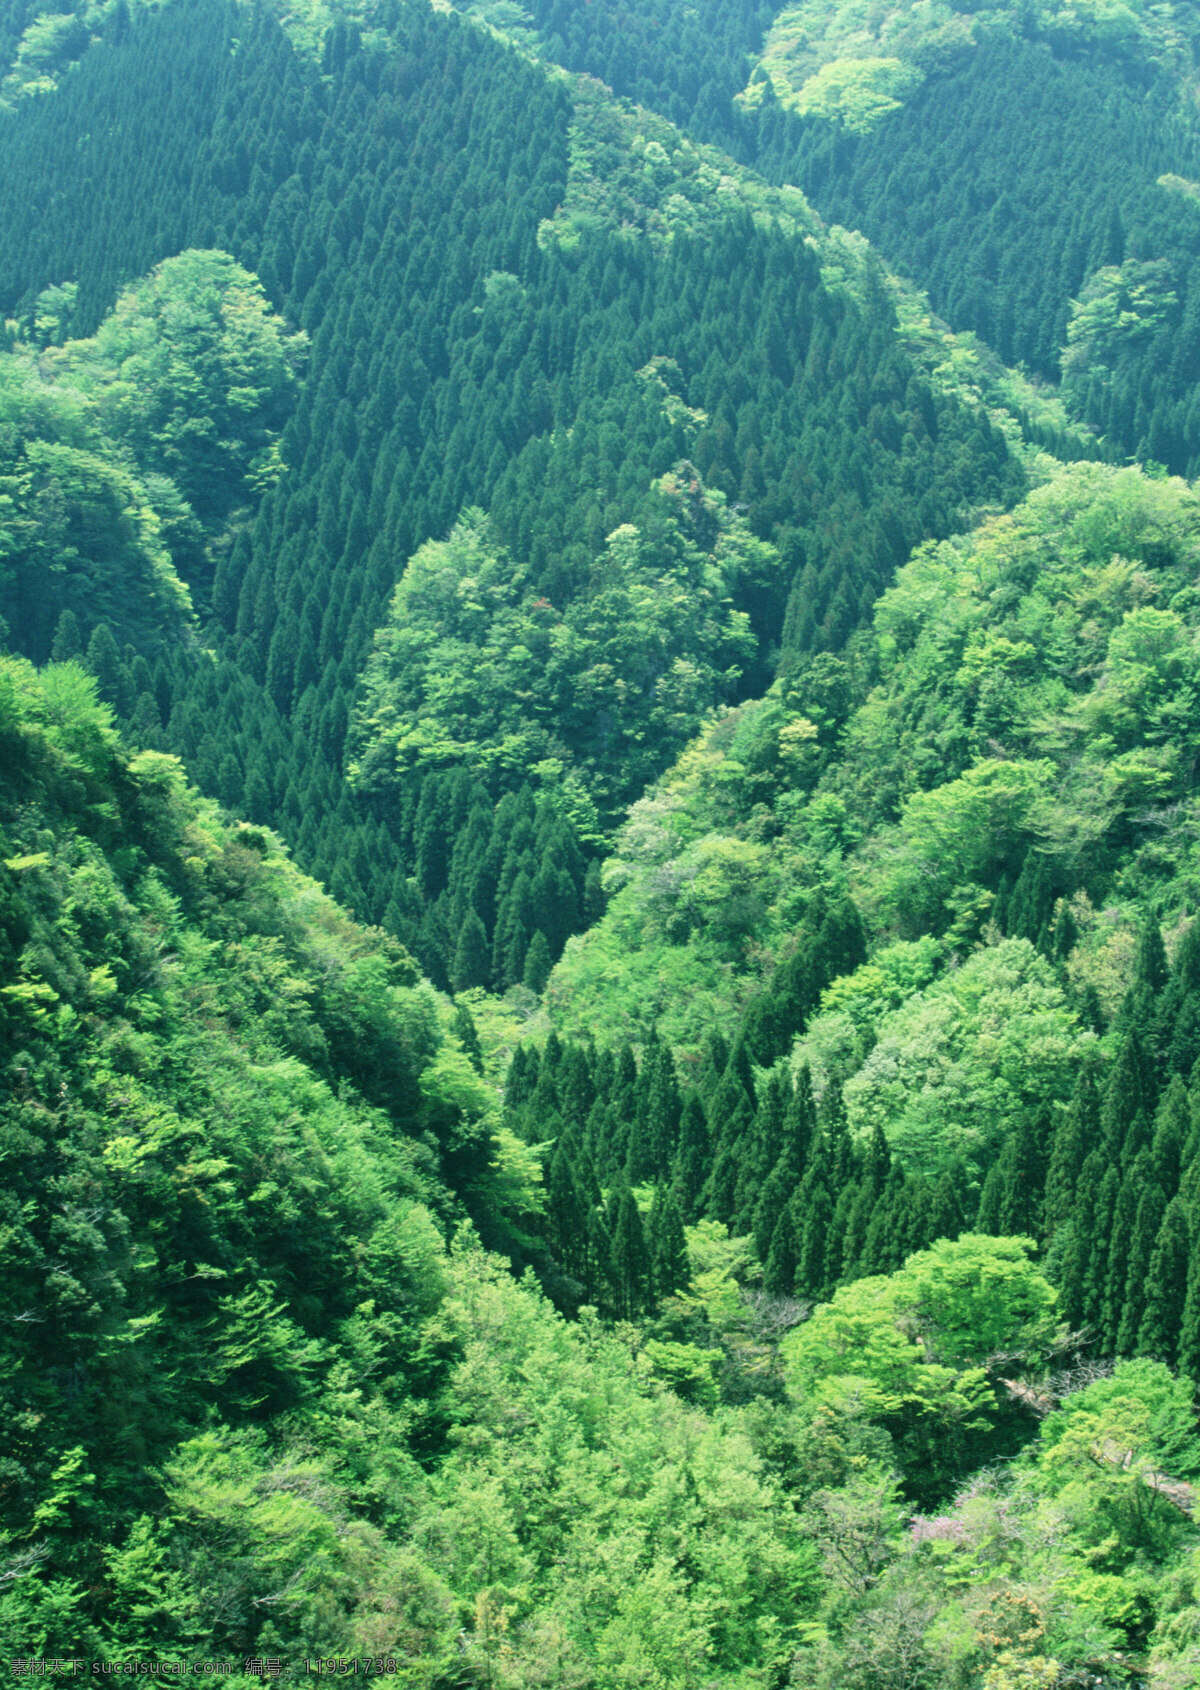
457	357
1033	168
599	979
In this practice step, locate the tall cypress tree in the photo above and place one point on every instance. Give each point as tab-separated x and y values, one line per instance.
1120	1245
1075	1137
779	1270
1099	1236
1172	1129
631	1270
472	965
1151	1211
1021	1175
1128	1092
813	1215
692	1157
668	1246
948	1204
1166	1286
565	1214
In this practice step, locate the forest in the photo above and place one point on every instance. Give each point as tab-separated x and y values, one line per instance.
599	777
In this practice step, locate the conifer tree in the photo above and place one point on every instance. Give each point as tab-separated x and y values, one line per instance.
1020	1174
472	964
1150	970
1075	1137
631	1270
948	1207
991	1201
1166	1286
1172	1129
814	1215
565	1213
839	1228
468	1036
538	963
1128	1091
692	1157
67	646
858	1221
777	1192
668	1246
1120	1245
1151	1211
800	1124
880	1253
113	681
597	1270
779	1271
719	1196
1103	1195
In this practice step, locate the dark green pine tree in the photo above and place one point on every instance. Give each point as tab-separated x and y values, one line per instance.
836	1128
949	1202
719	1196
799	1124
597	1269
879	1251
1182	1050
839	1232
876	1161
841	940
1166	1286
67	646
778	1189
631	1270
731	1121
1075	1137
692	1158
766	1142
1178	1024
713	1062
468	1036
538	963
1189	1335
858	1221
668	1246
1106	1193
575	1089
1021	1176
1129	1092
1172	1129
991	1201
1031	903
113	680
813	1217
1152	1208
1120	1244
1064	932
1073	1240
1150	958
472	965
914	1218
566	1215
652	1145
521	1080
779	1270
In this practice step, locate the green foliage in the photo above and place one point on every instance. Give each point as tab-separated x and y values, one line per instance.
253	1403
194	374
958	1065
910	1351
477	669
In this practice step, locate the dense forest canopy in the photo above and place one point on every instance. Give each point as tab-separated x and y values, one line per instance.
599	977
